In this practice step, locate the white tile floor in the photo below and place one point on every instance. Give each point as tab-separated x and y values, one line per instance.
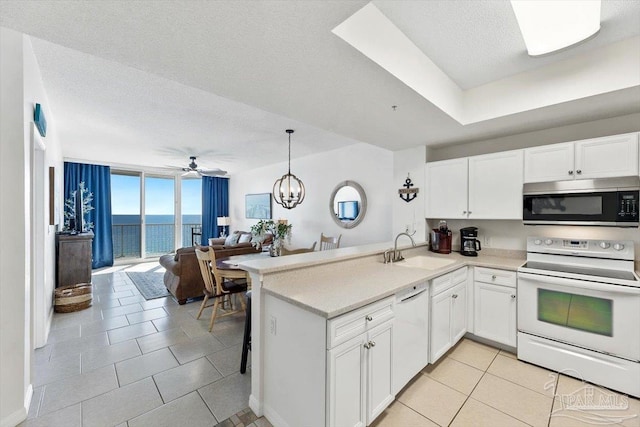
477	385
130	362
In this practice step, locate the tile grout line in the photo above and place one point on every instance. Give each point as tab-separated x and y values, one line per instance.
484	372
553	401
525	387
208	407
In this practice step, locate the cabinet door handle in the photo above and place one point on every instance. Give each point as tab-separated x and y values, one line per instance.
578	171
369	318
469	212
464	212
372	343
493	277
367	345
513	297
454	296
570	172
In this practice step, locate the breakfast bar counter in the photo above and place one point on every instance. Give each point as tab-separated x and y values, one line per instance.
333	283
308	308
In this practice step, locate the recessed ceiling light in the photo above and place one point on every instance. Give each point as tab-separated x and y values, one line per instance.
550	25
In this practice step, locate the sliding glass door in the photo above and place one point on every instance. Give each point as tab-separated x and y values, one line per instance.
191	206
159	215
126	216
154	214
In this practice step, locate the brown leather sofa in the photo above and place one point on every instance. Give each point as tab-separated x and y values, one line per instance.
183	278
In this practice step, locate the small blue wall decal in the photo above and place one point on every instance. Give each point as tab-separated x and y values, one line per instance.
39	120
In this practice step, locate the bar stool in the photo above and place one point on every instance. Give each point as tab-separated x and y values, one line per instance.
246	342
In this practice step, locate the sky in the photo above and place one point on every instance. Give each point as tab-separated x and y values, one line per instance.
159	195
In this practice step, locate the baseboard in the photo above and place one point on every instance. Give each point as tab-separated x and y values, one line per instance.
255	406
273	417
20	415
490	343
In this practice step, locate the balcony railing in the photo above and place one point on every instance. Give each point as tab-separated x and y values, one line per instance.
159	239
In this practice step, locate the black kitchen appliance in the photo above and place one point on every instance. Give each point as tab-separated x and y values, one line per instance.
613	202
469	244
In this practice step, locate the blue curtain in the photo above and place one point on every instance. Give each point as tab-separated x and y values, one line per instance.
97	180
215	203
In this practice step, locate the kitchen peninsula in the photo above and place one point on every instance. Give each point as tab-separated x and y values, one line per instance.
323	327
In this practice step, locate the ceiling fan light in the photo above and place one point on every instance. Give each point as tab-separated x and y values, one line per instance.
288	191
551	25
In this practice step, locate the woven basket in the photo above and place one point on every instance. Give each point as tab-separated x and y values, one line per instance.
72	298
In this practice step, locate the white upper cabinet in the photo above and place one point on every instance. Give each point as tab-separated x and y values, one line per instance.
447	189
495	185
549	163
605	157
478	187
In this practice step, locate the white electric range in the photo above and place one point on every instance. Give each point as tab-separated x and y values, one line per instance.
579	310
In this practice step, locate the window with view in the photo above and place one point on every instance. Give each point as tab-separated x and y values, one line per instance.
191	192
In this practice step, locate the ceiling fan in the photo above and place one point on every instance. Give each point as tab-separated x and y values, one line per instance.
193	170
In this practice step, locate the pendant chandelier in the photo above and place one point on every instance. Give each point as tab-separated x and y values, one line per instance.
288	191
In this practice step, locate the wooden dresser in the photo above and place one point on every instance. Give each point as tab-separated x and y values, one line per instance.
73	258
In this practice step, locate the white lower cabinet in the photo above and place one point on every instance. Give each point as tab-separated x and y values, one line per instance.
359	377
495	305
448	313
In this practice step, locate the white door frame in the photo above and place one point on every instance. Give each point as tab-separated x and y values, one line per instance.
40	316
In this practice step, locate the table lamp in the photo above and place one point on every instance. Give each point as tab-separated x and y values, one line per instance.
224	221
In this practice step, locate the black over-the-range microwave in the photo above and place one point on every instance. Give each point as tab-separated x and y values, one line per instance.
610	202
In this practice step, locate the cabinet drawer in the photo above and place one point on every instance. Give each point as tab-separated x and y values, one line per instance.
349	325
495	276
448	280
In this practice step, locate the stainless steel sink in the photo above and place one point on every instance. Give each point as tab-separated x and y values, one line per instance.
425	262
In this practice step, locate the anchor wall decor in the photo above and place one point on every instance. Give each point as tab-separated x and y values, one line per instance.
408	194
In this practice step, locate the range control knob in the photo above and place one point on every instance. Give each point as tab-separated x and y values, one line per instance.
618	246
548	242
537	242
605	245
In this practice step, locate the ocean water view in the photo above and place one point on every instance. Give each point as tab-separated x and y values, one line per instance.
155	219
159	234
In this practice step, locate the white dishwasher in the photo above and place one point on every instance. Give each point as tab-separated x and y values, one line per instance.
410	334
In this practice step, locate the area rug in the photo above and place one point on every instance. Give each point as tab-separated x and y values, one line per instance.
149	283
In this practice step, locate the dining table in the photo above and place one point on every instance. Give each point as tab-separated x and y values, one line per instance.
228	267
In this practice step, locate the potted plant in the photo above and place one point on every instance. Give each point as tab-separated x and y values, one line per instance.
279	230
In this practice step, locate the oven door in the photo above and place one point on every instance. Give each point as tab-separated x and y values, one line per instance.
596	316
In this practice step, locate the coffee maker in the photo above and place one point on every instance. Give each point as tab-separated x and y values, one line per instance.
469	244
441	239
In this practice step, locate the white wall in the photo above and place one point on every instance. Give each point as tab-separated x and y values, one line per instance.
409	214
34	92
369	166
14	245
20	88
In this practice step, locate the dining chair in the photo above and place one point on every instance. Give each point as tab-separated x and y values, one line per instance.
216	286
285	251
328	242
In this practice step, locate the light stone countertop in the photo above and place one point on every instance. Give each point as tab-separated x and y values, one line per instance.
333	284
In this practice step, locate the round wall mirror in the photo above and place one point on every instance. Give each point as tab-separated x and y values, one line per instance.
348	204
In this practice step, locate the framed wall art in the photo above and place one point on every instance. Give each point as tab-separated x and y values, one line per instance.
257	206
